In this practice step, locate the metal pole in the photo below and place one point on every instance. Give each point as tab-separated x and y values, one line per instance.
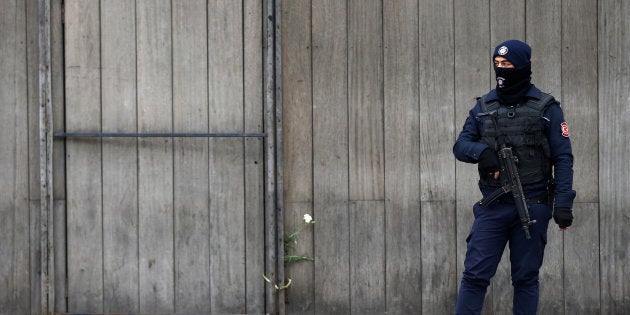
45	162
156	135
271	301
279	151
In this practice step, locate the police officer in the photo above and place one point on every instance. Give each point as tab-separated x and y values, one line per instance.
532	124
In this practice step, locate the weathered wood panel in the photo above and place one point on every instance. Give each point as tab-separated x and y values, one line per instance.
15	271
367	257
330	157
58	160
226	167
190	114
366	157
170	244
84	199
120	181
402	153
581	255
579	95
31	24
553	29
298	147
437	165
579	92
155	157
32	65
254	177
614	123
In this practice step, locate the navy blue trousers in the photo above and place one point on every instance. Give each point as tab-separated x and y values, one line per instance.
493	228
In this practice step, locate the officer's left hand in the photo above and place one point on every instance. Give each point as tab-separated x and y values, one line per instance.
563	217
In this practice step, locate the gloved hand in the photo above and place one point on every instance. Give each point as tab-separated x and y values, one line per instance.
489	161
563	217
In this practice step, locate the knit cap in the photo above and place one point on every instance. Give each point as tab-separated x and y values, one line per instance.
516	51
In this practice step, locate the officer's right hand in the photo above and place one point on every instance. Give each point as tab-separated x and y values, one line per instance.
489	163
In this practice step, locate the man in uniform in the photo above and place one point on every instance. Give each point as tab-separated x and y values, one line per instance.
532	124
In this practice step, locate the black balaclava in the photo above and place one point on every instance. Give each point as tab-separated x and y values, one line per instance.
513	83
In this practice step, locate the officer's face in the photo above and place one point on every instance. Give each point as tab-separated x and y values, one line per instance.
502	62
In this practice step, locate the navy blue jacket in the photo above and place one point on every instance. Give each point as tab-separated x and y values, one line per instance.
467	149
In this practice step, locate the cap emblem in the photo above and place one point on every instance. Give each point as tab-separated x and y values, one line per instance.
503	50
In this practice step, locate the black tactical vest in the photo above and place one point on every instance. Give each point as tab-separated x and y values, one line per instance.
522	128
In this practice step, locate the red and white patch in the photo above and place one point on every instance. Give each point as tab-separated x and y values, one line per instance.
565	129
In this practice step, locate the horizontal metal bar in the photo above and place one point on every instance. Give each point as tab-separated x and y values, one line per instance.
157	135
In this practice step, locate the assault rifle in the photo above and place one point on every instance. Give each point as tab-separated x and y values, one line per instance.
510	181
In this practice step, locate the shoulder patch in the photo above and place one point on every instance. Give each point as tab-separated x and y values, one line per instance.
565	129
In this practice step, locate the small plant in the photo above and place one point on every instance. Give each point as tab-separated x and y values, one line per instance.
290	240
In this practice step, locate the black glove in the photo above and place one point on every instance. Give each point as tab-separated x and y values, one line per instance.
563	217
488	161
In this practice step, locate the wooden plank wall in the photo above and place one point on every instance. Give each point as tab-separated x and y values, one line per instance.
16	263
375	93
613	81
164	225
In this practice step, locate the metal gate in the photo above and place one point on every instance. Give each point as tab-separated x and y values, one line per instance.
165	156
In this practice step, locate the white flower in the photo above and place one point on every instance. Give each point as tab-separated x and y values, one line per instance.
308	218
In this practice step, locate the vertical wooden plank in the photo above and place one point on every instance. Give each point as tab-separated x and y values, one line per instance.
581	269
190	114
365	77
58	100
437	164
367	257
437	102
507	21
254	177
614	123
298	144
31	27
14	206
34	252
60	256
226	161
58	160
330	157
45	157
155	156
579	95
32	56
120	182
543	34
472	73
579	92
366	164
439	282
84	199
402	154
